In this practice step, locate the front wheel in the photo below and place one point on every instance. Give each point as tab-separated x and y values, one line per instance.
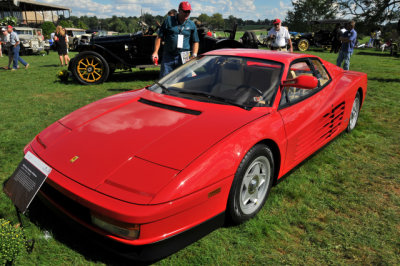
355	111
251	185
90	68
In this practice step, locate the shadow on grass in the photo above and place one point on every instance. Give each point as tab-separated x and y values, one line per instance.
149	76
385	80
380	54
53	65
75	237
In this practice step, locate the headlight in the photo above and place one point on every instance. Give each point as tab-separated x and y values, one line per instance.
124	230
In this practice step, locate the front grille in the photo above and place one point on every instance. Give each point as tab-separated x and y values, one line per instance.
70	206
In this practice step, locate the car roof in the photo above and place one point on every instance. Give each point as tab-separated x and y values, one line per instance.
23	28
75	29
283	57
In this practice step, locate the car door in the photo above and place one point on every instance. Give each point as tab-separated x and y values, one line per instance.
310	116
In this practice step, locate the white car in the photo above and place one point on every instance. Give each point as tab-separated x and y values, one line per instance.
30	41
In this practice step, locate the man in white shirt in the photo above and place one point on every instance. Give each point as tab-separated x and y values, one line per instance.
5	40
279	37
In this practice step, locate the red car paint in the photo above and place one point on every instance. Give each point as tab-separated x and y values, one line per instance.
169	171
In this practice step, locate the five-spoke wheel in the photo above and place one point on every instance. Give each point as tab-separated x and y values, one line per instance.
355	111
251	185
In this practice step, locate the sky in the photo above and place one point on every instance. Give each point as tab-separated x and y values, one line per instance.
245	9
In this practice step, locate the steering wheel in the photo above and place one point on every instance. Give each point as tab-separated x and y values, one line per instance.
243	86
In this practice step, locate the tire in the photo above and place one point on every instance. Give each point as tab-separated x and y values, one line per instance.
75	44
251	184
355	111
255	40
248	40
90	68
393	49
303	45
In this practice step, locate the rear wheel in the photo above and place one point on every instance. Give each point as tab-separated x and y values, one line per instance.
90	68
249	40
303	45
355	111
251	185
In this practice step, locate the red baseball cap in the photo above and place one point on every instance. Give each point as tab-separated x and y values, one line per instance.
185	6
9	26
276	21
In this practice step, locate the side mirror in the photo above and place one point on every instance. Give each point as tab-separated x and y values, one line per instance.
303	82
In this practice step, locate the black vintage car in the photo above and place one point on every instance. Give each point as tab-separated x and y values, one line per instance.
103	55
324	34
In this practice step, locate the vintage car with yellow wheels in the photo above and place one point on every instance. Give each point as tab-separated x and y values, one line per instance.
100	57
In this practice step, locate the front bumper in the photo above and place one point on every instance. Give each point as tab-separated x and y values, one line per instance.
143	253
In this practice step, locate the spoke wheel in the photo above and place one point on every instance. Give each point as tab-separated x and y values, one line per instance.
355	111
303	45
90	68
251	185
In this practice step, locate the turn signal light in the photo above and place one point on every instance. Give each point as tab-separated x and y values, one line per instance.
124	230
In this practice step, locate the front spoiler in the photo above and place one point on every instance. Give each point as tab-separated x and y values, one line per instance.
143	253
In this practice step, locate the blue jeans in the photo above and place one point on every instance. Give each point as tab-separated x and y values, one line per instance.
169	63
346	57
17	58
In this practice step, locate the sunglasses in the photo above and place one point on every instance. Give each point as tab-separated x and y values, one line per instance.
186	11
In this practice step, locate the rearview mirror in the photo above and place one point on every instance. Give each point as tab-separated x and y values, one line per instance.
303	82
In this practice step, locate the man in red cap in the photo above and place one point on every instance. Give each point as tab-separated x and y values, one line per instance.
14	41
279	37
177	33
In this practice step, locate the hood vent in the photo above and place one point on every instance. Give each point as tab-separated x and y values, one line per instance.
170	107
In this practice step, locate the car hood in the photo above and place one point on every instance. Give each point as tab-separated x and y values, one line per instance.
137	142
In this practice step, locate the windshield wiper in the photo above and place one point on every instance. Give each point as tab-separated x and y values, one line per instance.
164	89
214	97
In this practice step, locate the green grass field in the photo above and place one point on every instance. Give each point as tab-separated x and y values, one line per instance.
341	206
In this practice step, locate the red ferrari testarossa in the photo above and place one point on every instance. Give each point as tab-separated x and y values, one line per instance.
174	160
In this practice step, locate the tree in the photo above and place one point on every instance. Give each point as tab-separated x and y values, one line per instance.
232	20
204	18
47	28
116	24
74	20
82	25
216	21
305	11
66	23
371	12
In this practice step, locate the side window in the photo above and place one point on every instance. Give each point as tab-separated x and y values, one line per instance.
320	72
294	94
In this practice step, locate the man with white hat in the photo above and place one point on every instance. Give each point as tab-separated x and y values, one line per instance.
5	41
177	32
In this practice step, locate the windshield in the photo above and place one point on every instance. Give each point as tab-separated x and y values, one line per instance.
24	32
245	82
75	33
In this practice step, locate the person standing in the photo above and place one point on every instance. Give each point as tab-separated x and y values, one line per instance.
172	12
61	41
348	40
177	32
5	40
14	41
279	37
